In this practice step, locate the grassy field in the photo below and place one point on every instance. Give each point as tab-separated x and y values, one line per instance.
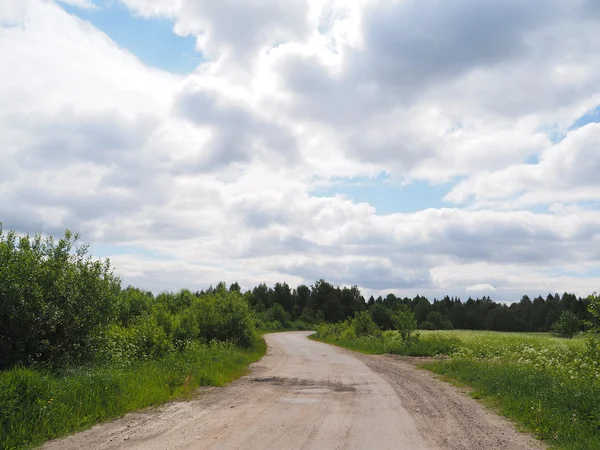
430	344
549	385
36	407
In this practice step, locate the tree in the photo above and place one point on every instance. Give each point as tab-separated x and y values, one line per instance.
593	342
279	314
421	309
382	316
567	325
260	295
459	316
525	312
364	325
351	301
282	294
438	321
406	324
307	315
302	299
594	312
504	319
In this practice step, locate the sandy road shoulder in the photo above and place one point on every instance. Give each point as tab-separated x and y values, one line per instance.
444	414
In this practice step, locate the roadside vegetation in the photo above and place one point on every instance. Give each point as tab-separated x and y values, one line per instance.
36	406
548	383
77	348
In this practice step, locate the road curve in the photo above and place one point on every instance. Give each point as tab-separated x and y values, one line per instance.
301	395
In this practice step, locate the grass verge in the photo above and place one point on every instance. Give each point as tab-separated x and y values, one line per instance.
562	411
430	346
36	406
548	386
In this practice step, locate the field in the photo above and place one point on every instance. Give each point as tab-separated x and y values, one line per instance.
550	386
37	406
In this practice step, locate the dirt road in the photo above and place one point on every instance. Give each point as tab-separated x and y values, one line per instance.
308	395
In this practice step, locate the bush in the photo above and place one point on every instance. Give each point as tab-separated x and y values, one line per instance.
225	316
363	325
55	301
278	314
404	321
567	325
426	325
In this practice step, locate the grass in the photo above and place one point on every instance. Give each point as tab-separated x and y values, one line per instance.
431	345
493	343
562	411
548	385
36	407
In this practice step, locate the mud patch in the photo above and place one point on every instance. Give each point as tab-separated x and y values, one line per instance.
325	385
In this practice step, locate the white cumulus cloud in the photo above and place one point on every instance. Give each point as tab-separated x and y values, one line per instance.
187	180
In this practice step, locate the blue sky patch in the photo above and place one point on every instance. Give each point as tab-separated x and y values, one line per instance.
592	116
388	197
556	135
152	40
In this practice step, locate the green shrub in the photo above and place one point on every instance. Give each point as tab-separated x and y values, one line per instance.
567	325
224	316
404	321
133	303
426	325
55	301
277	314
364	325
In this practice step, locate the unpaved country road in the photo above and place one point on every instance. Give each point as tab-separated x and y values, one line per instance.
309	395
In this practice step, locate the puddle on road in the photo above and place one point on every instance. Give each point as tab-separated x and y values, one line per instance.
309	392
325	386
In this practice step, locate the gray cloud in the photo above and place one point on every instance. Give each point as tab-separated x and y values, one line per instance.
214	171
239	134
412	43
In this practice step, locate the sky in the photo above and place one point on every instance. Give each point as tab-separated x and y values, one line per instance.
425	147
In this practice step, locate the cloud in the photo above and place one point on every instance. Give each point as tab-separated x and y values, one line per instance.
566	172
481	288
85	4
238	30
212	173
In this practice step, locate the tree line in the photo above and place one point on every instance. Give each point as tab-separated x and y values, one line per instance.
324	302
59	307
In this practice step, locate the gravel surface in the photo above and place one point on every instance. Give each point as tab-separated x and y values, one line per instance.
308	395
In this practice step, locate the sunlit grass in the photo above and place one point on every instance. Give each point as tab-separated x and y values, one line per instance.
35	407
549	385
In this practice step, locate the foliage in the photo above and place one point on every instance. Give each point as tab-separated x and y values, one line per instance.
325	302
55	301
594	312
344	335
61	308
567	325
426	325
382	316
549	385
404	321
36	406
363	325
